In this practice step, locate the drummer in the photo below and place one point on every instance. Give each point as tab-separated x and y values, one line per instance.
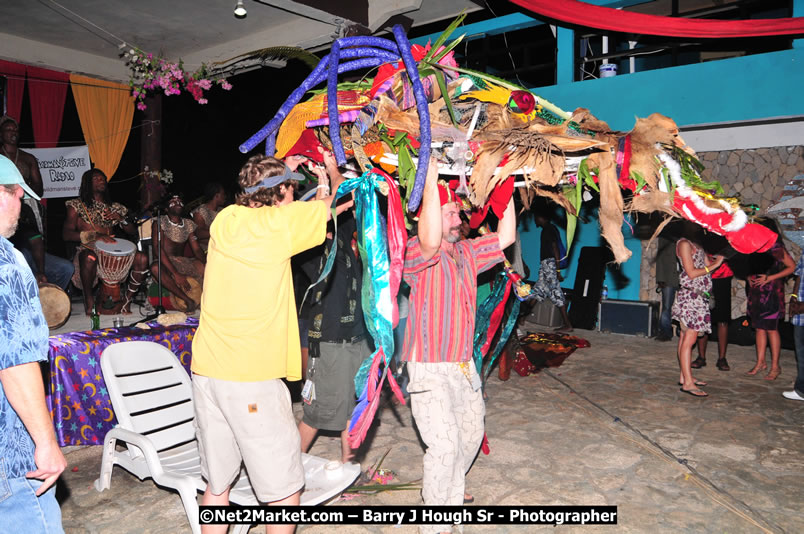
176	233
90	218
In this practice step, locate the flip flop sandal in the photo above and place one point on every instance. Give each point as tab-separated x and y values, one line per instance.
699	383
695	392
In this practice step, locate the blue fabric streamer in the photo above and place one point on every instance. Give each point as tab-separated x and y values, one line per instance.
483	318
506	332
376	290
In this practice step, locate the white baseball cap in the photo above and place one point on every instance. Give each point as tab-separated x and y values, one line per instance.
10	175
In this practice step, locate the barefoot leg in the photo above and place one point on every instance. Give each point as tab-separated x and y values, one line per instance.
762	344
775	342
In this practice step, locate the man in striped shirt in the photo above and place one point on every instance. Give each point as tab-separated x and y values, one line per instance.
444	388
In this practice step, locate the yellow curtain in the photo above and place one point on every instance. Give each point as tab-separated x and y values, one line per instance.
106	110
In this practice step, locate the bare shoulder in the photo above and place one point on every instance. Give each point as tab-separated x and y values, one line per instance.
27	156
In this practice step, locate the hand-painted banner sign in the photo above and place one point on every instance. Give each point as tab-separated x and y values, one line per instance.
61	169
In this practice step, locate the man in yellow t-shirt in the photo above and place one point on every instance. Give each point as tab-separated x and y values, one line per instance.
248	338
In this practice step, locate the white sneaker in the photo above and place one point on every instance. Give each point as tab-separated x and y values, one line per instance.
792	395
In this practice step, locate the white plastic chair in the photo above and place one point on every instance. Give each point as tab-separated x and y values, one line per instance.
151	394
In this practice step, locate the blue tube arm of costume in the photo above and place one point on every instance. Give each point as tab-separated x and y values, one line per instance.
332	88
270	143
367	40
332	104
363	63
357	64
372	58
424	117
291	101
352	53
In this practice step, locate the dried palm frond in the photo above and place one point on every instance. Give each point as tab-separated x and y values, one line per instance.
488	158
584	118
611	204
646	134
553	195
649	202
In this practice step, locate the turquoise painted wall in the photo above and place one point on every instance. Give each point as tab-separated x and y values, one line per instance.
736	89
622	281
731	90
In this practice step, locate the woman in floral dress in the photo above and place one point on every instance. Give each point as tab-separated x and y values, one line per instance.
691	308
765	305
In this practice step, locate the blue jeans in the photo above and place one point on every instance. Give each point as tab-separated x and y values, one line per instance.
22	511
665	321
57	270
798	339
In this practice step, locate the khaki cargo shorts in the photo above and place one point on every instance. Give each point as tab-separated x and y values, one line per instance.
251	423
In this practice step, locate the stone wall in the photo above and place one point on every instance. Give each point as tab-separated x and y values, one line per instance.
756	176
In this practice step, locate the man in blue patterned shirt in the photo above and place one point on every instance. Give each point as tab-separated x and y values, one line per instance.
30	457
797	318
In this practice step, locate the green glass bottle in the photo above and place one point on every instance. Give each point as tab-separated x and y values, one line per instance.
95	317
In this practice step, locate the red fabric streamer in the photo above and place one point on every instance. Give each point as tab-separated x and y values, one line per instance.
47	89
485	445
397	241
498	201
374	385
606	18
496	317
15	85
747	240
624	165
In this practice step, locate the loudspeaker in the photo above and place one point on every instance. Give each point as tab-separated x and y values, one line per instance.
588	285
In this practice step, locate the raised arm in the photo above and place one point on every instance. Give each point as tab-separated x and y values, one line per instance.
331	166
506	230
430	231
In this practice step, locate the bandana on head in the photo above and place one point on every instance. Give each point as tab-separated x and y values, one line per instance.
445	193
273	181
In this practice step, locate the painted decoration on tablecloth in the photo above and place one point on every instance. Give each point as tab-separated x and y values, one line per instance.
79	402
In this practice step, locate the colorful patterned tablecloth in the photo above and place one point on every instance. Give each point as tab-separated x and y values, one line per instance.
78	400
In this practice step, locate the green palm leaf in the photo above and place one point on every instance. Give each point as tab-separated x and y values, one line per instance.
444	36
276	52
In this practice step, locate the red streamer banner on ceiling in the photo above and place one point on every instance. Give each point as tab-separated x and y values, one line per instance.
606	18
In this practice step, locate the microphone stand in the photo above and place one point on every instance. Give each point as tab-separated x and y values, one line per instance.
159	309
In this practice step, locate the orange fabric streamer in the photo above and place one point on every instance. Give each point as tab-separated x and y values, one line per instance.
106	111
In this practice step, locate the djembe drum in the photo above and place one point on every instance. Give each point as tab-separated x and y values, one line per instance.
56	305
114	262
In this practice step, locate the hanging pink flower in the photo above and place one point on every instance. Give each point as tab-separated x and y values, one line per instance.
154	74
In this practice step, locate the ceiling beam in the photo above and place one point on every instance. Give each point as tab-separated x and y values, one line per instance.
310	11
14	48
297	32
